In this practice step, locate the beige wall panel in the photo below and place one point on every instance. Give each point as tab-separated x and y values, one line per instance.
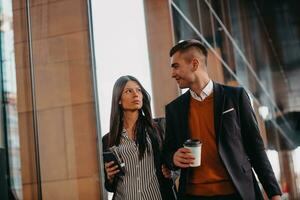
29	192
61	48
20	26
63	84
81	143
60	190
78	47
57	49
49	20
81	189
214	67
50	50
52	141
160	40
66	114
88	189
24	102
57	85
39	2
27	147
17	4
62	23
21	55
53	86
81	90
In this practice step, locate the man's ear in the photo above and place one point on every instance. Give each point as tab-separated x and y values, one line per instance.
195	64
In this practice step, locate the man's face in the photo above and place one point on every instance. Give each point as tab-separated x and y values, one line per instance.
181	70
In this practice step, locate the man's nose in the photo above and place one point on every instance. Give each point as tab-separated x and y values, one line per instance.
173	73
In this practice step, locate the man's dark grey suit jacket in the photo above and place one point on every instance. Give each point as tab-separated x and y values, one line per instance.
238	139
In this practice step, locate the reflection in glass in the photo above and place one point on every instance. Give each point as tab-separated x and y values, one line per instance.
10	96
259	45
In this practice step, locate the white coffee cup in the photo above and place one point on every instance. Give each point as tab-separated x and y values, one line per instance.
195	147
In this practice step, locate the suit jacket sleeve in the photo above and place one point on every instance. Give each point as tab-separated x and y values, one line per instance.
255	147
171	141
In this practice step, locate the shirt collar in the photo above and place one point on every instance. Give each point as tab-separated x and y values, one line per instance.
207	90
124	134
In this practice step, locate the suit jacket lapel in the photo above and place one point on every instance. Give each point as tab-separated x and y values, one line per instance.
185	114
218	108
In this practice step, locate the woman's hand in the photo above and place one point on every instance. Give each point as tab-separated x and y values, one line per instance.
111	170
166	172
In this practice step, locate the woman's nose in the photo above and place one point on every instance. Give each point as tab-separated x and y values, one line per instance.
135	93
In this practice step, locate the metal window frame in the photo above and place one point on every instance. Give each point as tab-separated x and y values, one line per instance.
273	121
34	104
96	100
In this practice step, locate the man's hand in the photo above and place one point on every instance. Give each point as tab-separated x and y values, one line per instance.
183	158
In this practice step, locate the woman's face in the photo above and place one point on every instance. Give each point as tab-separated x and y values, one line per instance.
132	97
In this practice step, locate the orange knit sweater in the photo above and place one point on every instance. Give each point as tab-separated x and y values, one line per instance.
211	178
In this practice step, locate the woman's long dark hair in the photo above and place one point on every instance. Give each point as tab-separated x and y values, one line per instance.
144	123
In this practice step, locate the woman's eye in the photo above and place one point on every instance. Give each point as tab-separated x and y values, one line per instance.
128	91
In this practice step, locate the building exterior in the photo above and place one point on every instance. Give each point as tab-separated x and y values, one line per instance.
54	108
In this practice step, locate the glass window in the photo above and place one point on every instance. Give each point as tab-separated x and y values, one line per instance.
120	48
9	119
56	111
254	45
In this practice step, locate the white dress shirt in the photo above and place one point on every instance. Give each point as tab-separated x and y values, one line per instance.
207	90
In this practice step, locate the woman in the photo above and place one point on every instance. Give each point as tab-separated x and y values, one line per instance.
138	142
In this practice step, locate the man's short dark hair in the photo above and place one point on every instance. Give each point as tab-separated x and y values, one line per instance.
184	45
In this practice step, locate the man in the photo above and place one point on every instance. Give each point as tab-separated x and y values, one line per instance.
222	118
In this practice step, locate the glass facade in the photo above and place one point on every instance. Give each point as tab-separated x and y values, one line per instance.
9	114
48	118
240	37
60	59
118	55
